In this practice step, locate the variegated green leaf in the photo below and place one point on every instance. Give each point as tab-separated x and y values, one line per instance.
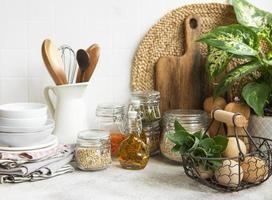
234	75
249	15
217	61
256	96
235	39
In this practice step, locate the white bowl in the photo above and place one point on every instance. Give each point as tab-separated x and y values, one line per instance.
10	129
23	110
28	122
24	139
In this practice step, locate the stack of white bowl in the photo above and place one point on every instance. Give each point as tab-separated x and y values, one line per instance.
25	125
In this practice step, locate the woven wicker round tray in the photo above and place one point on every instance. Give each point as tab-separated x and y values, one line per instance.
166	38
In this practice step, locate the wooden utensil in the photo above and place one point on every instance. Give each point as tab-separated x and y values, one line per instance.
94	53
83	62
53	62
181	81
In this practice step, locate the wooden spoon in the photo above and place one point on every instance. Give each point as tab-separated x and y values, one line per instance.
53	62
83	62
94	53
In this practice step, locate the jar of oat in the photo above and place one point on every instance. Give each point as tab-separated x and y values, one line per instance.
111	118
152	134
93	150
191	120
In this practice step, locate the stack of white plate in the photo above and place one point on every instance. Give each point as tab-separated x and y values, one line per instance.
25	126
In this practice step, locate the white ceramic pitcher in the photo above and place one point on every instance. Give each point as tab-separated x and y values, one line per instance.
69	112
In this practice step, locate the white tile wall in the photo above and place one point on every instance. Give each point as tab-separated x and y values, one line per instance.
117	25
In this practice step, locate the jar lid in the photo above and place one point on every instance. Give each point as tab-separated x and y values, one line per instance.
146	96
186	116
93	134
109	110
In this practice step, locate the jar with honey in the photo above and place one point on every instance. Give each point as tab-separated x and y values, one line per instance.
111	119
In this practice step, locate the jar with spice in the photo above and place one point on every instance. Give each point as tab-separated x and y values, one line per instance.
111	118
93	151
134	153
191	120
149	104
151	132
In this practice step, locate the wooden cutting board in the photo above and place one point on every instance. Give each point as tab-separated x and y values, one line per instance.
181	81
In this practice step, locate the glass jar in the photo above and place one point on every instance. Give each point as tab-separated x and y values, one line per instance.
152	135
191	120
134	153
93	150
111	118
149	104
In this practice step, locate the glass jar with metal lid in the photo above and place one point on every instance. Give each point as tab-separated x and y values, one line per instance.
149	104
111	118
151	131
93	150
191	120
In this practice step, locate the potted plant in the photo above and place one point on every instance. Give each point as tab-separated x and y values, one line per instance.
246	41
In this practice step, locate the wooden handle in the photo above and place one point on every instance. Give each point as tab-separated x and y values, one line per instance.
233	119
192	32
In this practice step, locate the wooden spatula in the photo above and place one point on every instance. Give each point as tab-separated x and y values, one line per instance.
94	53
181	80
53	62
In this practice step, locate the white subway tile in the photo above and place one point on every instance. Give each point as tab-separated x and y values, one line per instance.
37	31
124	10
14	90
40	10
104	65
15	34
36	67
121	89
98	33
15	9
35	90
125	34
121	62
13	63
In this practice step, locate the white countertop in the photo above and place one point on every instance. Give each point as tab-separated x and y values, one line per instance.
159	180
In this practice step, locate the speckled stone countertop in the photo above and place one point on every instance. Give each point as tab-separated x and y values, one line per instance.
159	180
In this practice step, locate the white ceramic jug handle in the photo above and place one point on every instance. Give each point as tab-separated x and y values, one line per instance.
48	99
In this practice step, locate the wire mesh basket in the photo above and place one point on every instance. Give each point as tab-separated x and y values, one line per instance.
252	167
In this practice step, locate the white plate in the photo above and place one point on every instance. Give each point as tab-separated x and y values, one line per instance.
24	122
24	139
23	110
52	140
49	124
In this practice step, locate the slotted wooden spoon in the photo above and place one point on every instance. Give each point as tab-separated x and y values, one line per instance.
53	62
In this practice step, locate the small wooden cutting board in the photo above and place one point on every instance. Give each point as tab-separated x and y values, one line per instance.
181	81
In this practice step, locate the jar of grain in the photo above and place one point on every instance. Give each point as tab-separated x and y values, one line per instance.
93	150
191	120
152	134
111	118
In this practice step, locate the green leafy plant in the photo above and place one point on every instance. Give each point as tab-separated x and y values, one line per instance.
199	145
244	41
